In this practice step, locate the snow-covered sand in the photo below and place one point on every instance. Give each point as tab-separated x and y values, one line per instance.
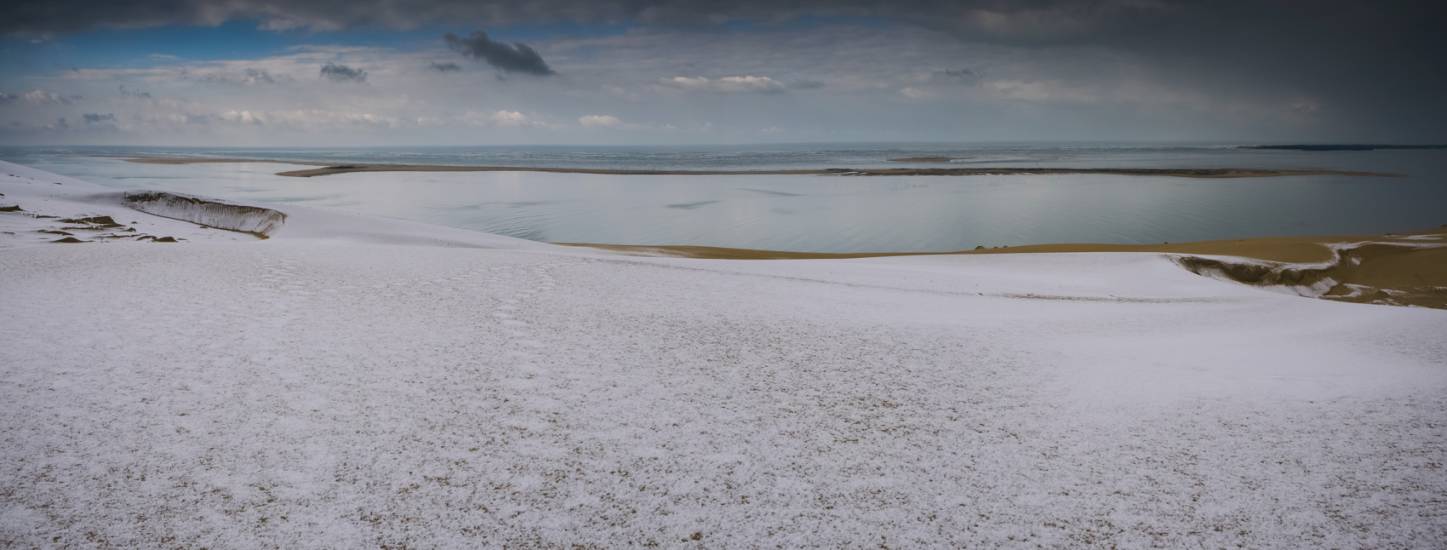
356	382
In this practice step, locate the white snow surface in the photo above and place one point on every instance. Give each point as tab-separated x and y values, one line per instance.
357	382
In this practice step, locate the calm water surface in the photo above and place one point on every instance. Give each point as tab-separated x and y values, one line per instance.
821	213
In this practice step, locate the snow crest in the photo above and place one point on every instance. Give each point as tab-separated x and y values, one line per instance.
211	213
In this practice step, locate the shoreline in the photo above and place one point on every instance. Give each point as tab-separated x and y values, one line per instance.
1391	269
325	169
1407	269
1291	249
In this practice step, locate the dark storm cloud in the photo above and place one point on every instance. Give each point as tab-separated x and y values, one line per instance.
448	67
44	16
343	73
98	118
1042	20
1372	65
511	58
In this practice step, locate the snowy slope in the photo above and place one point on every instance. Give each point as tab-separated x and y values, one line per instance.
355	382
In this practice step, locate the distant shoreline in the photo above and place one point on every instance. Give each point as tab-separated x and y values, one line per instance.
1343	147
323	169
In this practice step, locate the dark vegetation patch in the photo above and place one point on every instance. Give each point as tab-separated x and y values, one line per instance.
96	222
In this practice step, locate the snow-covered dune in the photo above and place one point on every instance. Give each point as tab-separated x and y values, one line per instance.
356	382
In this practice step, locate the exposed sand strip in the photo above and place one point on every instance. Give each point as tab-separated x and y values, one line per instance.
1306	249
1395	269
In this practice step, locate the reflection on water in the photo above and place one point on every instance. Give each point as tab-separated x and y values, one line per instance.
841	213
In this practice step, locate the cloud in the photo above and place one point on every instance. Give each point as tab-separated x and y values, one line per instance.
242	117
1046	91
448	67
127	92
309	119
912	92
599	121
510	119
1105	70
946	83
343	73
248	76
1304	105
502	119
725	85
40	16
955	75
98	118
39	97
509	58
256	76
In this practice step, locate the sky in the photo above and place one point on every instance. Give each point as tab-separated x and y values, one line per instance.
474	72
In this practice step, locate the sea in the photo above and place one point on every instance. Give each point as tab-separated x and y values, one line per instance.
822	213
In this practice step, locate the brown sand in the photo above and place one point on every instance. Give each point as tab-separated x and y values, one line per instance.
1280	249
1395	269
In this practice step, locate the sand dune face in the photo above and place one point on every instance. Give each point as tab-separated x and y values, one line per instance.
1410	270
208	212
